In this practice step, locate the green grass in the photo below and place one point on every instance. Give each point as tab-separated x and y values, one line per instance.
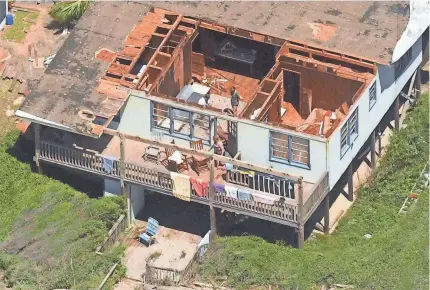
16	31
396	257
49	231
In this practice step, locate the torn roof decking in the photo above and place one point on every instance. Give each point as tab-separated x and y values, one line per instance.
62	93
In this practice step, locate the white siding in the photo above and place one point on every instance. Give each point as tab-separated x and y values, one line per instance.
254	146
368	120
3	13
136	120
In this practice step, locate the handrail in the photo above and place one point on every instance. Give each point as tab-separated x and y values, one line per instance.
284	211
113	234
318	191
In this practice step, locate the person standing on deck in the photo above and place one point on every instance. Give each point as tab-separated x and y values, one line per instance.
235	98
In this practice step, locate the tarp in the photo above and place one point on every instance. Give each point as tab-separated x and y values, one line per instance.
418	22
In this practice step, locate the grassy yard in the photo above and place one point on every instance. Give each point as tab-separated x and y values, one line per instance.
16	31
396	257
48	231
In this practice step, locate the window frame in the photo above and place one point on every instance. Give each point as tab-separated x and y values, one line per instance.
191	120
372	96
352	133
290	159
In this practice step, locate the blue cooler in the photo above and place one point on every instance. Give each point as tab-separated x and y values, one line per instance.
9	19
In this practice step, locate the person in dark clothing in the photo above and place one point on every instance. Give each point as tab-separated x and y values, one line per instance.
235	98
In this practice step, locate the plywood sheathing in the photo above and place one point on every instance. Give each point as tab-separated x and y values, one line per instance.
105	55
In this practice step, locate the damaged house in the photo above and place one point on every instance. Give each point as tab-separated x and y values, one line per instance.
141	97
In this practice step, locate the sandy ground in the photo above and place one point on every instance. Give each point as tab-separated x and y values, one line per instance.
45	40
175	249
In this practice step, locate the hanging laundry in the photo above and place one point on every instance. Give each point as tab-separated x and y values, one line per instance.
219	188
108	164
181	186
199	186
265	198
244	194
231	191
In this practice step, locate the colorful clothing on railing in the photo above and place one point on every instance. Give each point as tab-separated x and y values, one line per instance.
181	186
108	164
244	194
199	186
231	191
219	188
265	198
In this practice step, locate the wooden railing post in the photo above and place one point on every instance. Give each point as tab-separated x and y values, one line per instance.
396	114
372	150
124	190
300	221
211	199
37	146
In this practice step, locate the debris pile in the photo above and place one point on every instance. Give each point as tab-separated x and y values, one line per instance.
8	71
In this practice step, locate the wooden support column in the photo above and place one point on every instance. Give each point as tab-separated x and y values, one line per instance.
418	83
326	204
396	114
212	214
372	150
301	226
37	146
125	192
350	183
379	141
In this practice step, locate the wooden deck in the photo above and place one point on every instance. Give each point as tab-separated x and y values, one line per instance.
157	177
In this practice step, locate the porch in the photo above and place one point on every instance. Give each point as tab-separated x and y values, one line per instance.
282	198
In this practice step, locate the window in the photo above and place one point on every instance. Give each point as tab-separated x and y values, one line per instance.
372	96
181	123
349	133
402	63
289	149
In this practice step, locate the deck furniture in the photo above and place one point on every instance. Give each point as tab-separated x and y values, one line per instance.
151	231
152	154
199	163
177	162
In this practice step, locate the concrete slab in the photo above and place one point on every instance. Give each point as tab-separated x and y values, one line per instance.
172	249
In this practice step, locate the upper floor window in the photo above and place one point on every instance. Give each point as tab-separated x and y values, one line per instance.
401	64
349	133
289	149
181	123
372	96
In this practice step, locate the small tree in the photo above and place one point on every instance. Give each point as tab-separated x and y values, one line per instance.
67	12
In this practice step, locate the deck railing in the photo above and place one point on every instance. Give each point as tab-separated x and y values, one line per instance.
117	229
278	210
318	192
284	211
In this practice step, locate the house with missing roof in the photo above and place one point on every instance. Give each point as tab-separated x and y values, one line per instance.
127	102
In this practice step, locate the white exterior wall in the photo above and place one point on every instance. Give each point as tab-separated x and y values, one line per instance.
136	120
254	146
113	188
3	21
253	141
368	120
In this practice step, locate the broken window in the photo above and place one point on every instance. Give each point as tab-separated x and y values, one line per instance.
349	133
181	123
289	149
372	96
